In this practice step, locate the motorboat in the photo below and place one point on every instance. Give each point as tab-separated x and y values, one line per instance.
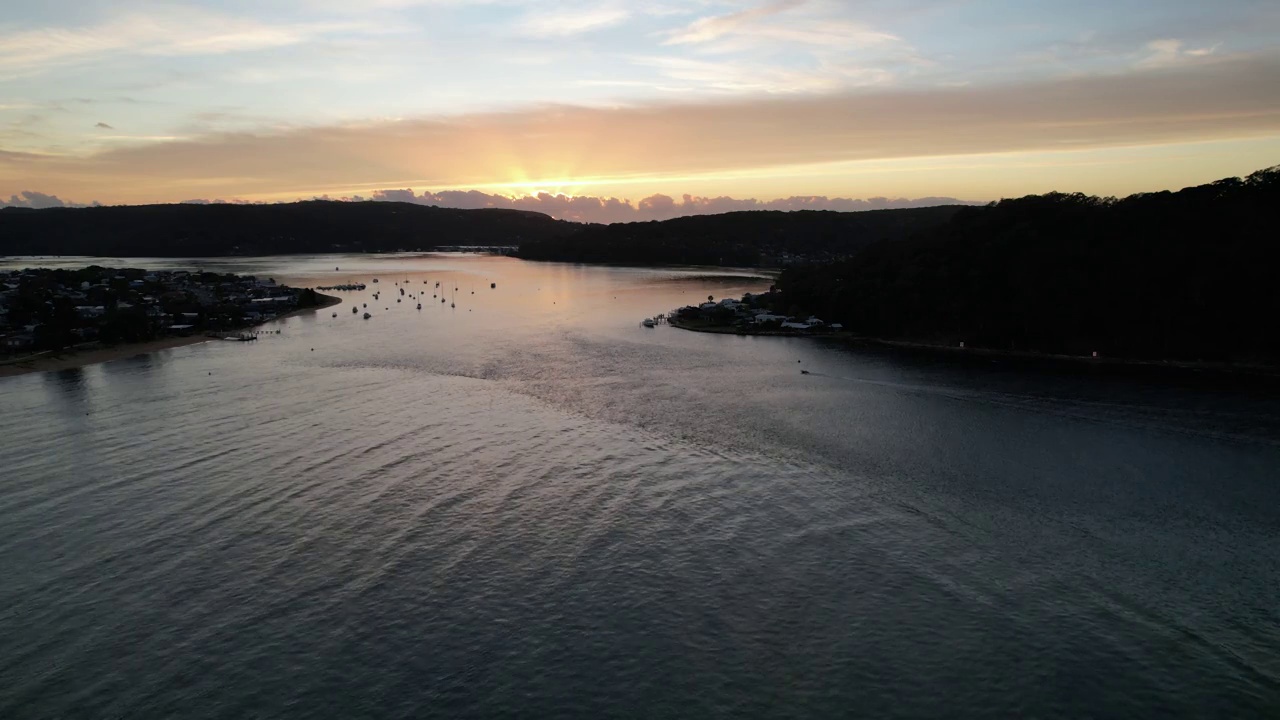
648	322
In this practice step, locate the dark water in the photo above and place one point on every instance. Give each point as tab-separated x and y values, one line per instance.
529	506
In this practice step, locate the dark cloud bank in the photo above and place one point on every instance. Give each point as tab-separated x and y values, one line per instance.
585	208
582	208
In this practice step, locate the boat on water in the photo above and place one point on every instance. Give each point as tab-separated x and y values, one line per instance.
336	314
419	306
493	285
648	322
375	279
367	316
354	311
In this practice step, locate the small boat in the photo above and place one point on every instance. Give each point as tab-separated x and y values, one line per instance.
367	316
375	279
648	322
419	306
493	285
354	311
336	314
804	372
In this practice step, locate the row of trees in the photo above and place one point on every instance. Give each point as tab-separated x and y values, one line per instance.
1172	275
742	239
227	229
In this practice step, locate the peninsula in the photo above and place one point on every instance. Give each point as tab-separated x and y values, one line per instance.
1170	277
53	319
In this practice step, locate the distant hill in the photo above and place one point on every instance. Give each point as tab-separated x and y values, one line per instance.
1169	275
751	238
226	229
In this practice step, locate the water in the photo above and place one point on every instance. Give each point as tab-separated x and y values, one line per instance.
530	506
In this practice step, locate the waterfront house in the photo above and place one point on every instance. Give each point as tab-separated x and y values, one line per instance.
765	317
14	343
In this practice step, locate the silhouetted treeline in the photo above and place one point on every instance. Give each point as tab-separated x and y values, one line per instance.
750	238
1170	275
228	229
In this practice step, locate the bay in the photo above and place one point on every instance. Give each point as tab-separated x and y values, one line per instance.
529	505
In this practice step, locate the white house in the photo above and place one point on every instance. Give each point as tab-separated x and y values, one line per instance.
768	317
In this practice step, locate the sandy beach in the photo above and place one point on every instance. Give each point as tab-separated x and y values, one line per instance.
93	354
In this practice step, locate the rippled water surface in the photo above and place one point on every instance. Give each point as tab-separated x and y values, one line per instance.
530	506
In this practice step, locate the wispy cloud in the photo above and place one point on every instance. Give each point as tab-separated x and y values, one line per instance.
561	147
173	32
572	20
786	46
797	22
1163	53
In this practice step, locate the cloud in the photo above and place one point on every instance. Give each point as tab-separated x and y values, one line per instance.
576	208
791	46
591	209
1163	53
37	201
165	33
778	23
667	144
104	126
572	20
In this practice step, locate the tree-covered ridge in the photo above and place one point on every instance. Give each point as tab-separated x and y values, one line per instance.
752	238
1171	275
228	229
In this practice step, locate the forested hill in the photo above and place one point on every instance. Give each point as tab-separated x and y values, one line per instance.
228	229
1172	275
740	238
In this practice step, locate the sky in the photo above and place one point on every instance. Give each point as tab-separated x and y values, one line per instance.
609	110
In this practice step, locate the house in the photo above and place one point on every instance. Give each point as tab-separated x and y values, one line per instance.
765	317
13	343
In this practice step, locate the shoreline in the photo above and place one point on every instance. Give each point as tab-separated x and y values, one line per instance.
82	356
1075	362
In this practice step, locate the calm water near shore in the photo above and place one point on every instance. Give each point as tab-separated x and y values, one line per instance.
530	506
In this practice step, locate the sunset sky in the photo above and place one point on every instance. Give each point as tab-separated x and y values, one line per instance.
119	101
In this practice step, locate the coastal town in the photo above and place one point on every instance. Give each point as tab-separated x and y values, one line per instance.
754	314
50	310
